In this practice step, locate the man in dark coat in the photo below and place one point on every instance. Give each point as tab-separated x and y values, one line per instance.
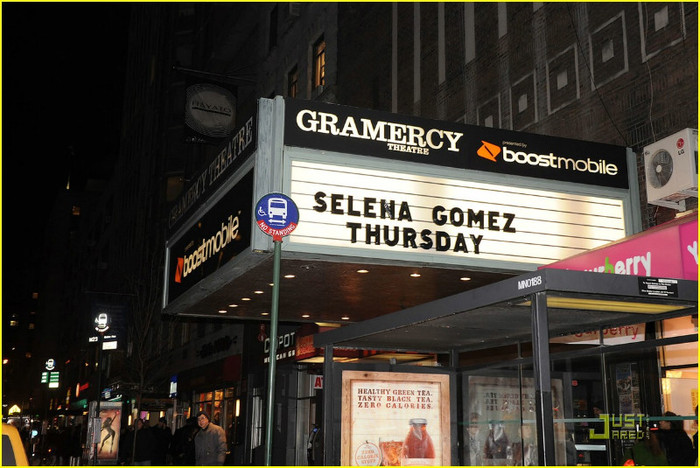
163	437
182	445
142	451
210	442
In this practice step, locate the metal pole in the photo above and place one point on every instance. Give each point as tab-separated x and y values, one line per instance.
543	380
273	352
98	428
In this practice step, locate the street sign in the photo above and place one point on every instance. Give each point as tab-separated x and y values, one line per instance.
277	215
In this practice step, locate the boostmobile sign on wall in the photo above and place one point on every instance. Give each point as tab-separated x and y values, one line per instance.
351	203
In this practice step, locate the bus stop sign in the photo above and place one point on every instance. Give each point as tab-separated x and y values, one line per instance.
277	215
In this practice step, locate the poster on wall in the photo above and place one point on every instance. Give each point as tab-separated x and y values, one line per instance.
501	422
395	419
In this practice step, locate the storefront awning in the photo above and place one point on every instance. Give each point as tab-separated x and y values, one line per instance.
501	313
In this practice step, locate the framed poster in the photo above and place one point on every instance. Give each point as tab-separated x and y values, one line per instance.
395	418
104	432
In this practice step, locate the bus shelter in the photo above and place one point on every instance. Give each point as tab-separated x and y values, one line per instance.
514	327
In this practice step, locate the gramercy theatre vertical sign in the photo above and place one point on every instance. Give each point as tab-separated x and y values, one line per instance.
372	133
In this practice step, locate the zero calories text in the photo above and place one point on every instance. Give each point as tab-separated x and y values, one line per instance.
407	237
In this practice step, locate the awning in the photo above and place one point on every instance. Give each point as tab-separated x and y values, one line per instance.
500	313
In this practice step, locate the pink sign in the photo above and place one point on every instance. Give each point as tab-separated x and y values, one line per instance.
666	251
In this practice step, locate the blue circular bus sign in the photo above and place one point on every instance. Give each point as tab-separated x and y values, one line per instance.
277	215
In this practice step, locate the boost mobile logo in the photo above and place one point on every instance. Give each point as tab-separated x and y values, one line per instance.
208	248
490	151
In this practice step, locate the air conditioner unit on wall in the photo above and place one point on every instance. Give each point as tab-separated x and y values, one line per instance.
671	167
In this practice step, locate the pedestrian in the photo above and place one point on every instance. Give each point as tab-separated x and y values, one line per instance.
182	445
209	442
163	437
647	451
140	450
676	443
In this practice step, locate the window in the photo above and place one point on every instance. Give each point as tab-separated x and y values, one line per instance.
292	82
319	63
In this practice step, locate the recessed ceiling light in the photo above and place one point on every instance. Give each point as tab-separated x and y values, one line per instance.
245	298
465	278
305	316
344	317
233	305
363	271
223	311
270	284
415	275
265	313
257	292
290	276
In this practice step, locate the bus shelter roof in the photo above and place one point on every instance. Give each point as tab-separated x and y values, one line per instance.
502	313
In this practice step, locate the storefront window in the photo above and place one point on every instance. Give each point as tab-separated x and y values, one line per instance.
256	429
219	408
621	402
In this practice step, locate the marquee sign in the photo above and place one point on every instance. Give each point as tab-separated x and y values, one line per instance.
204	183
217	237
372	133
399	213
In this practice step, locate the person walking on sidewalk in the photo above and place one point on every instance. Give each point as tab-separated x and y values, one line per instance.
209	443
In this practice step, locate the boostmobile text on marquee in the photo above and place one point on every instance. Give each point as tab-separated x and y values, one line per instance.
208	248
414	139
379	134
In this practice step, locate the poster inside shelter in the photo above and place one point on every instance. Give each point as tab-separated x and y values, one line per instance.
501	428
395	419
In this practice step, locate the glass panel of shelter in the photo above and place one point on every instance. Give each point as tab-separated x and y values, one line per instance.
610	403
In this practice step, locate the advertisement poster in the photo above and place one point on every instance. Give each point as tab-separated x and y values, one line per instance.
105	432
395	419
628	388
501	428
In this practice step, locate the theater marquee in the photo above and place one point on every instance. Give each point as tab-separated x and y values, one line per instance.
394	187
389	212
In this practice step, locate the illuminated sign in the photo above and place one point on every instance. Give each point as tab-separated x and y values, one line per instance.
395	418
398	213
215	238
50	378
318	125
172	393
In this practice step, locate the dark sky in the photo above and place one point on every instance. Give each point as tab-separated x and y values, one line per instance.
62	71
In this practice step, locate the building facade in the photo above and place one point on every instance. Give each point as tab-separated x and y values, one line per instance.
621	74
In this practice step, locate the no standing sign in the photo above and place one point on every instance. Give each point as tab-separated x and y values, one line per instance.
277	215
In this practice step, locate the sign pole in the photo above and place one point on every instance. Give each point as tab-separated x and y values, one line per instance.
273	352
276	215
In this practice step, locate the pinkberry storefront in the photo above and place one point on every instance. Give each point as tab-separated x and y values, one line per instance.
669	251
667	365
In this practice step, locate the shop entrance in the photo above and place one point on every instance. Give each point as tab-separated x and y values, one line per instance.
549	368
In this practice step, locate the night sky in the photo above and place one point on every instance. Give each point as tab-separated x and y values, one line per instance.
62	72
